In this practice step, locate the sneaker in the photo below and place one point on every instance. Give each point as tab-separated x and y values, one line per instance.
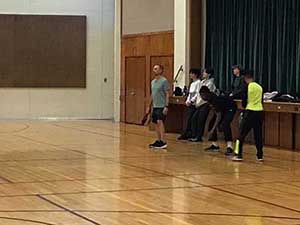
237	158
212	148
153	145
259	159
161	145
195	140
229	151
182	137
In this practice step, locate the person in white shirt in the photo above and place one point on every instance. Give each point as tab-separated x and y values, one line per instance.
191	102
201	114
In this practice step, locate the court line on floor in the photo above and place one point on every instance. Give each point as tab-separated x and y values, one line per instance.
225	191
128	132
134	190
190	213
68	210
169	139
100	192
215	188
26	127
99	157
25	220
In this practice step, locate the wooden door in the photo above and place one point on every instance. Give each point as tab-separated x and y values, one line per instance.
167	62
135	81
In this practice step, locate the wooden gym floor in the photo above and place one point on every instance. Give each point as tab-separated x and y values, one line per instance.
98	172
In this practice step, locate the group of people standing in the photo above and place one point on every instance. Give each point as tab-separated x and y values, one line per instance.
201	99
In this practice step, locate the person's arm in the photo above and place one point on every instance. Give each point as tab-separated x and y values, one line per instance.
149	106
166	90
211	85
244	96
188	100
217	121
238	93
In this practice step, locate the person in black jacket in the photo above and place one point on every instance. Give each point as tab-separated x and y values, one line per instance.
238	85
225	109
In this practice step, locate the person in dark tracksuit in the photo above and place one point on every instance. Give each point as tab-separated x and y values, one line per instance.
238	85
252	101
225	109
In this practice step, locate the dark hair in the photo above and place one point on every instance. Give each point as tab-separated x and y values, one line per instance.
236	67
160	66
249	74
195	71
204	89
210	71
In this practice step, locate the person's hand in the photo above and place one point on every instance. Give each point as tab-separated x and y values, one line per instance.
165	111
148	110
188	104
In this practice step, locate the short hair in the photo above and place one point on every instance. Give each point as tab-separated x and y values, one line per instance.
209	70
160	66
204	89
249	74
195	71
239	67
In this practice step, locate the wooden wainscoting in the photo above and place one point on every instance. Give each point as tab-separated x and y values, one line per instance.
140	52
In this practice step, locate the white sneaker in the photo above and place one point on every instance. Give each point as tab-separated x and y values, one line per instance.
236	159
259	160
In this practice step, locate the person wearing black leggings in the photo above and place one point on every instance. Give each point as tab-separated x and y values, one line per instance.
225	109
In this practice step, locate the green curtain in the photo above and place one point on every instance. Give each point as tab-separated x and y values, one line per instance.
262	35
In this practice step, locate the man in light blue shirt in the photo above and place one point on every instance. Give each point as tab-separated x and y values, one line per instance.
160	101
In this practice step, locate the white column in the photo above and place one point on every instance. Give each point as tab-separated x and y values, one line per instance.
117	61
181	40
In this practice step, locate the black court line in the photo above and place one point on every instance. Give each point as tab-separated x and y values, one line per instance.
221	190
31	211
215	188
166	174
6	180
25	220
190	213
58	146
68	210
74	180
99	192
171	140
26	127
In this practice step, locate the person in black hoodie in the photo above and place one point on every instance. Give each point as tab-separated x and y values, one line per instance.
225	109
238	85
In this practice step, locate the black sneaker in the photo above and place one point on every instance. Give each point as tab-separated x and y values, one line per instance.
153	145
195	140
182	137
212	148
161	145
229	151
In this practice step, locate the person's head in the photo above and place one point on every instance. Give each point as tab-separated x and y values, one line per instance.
248	76
195	74
205	93
158	70
236	69
207	73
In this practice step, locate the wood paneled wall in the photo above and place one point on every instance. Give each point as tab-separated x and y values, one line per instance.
156	48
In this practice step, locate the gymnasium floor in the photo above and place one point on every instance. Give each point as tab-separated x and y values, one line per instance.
97	172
